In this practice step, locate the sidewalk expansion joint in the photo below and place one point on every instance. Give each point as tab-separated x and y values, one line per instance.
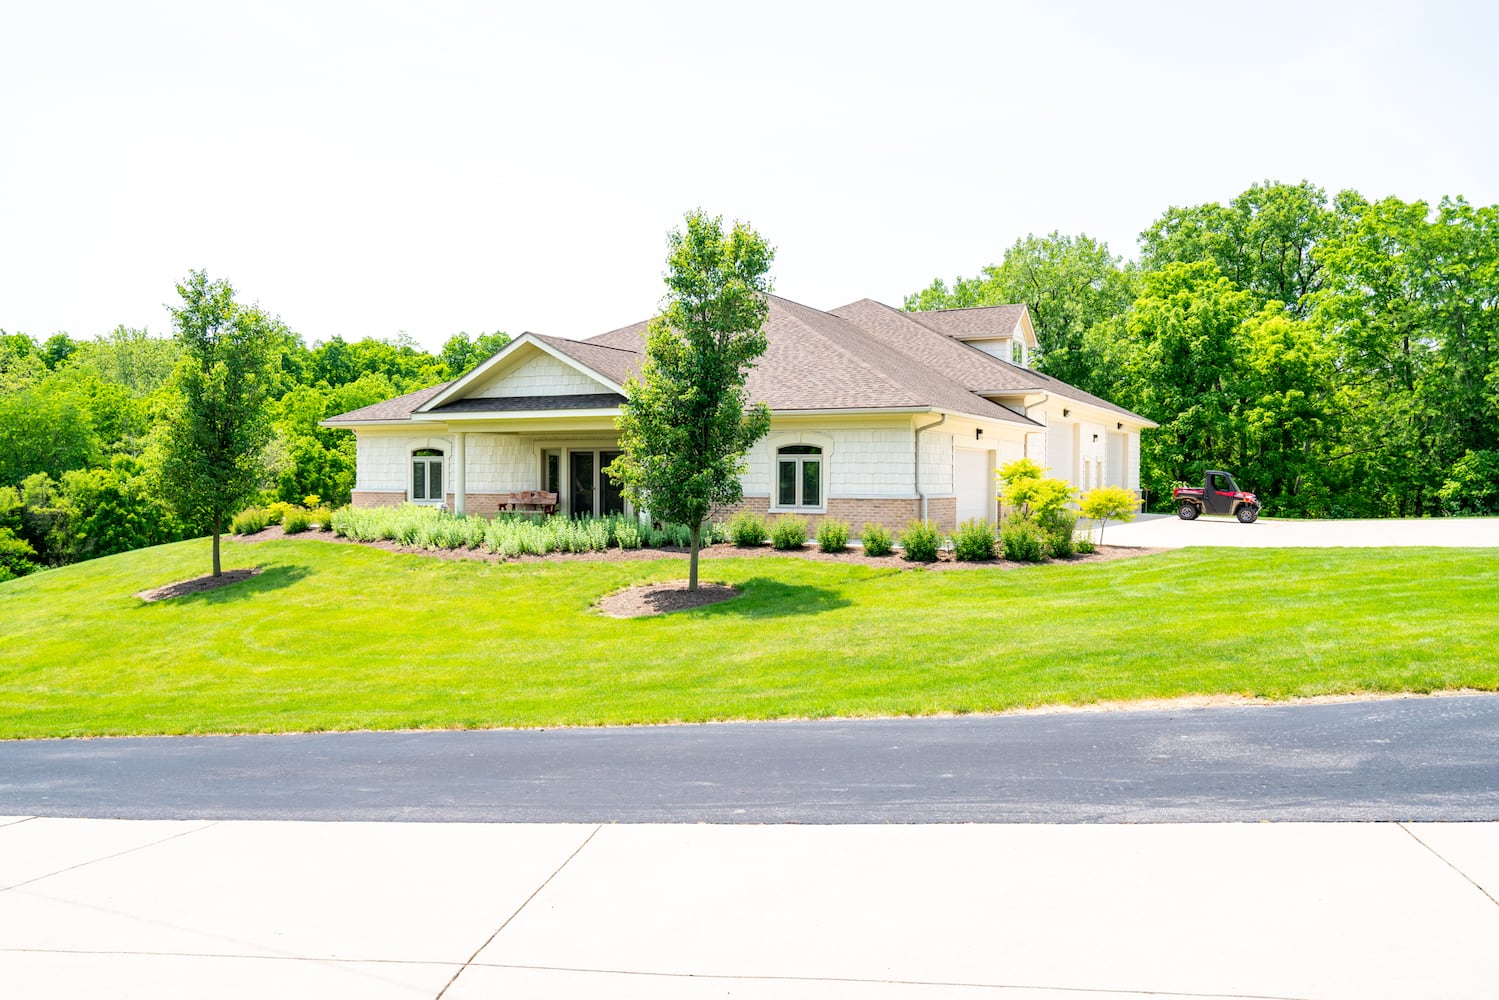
1438	855
109	857
527	902
1081	991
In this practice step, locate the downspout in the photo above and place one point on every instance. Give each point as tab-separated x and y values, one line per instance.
1025	451
924	427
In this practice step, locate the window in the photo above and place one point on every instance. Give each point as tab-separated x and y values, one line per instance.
799	476
1017	352
426	475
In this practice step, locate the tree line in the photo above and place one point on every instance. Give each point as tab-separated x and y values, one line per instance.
87	427
1340	356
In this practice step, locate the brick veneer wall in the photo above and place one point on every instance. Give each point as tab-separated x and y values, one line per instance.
378	498
478	503
893	513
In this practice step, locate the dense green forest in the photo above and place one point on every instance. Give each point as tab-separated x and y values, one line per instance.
81	422
1340	356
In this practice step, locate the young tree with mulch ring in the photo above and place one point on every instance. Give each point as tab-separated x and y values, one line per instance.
214	439
686	425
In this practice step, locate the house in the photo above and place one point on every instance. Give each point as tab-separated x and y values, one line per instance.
876	415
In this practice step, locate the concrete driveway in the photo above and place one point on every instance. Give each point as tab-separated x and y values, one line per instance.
1167	531
161	910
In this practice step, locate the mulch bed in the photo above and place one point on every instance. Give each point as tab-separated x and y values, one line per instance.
198	585
725	550
663	598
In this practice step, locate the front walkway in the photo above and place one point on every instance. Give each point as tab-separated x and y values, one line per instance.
1167	531
254	909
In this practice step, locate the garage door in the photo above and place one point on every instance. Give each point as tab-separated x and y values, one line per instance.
973	483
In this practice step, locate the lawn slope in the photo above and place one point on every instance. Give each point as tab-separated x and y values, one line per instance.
335	636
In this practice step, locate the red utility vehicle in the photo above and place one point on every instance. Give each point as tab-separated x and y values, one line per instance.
1219	495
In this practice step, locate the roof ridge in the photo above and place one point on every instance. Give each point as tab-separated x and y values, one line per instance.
553	338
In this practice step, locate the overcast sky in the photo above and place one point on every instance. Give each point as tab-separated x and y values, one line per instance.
369	168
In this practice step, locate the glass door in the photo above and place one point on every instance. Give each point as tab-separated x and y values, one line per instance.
582	471
611	497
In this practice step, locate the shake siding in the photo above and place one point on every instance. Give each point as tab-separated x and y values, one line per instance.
381	461
936	462
500	463
873	462
543	375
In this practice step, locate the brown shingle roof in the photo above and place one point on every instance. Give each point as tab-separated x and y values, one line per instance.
864	355
399	408
975	322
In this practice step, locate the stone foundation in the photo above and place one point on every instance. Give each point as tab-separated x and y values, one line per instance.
378	498
894	513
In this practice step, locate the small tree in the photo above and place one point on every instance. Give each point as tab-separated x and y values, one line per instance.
685	425
216	431
1108	502
1024	487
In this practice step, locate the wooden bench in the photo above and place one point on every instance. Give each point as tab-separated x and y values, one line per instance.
529	502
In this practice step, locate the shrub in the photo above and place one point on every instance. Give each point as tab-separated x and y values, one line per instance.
312	501
249	521
1085	545
876	539
627	534
277	511
1022	540
715	532
324	518
296	521
1060	528
832	536
598	532
973	541
921	541
788	532
747	529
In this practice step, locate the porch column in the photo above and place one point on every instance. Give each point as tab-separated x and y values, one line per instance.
460	485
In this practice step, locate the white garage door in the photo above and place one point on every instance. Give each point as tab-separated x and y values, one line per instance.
973	483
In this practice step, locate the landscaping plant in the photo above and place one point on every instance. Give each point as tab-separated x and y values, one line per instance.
920	541
876	539
1106	503
832	535
747	529
789	532
973	541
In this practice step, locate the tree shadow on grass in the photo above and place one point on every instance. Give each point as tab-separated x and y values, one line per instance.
766	597
268	579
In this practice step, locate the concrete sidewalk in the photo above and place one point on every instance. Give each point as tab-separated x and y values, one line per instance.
253	909
1170	532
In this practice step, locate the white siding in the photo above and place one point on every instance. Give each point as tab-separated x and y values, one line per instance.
382	461
1116	470
1060	451
936	463
872	463
862	462
501	463
542	375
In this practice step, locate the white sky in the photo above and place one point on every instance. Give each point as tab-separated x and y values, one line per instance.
368	168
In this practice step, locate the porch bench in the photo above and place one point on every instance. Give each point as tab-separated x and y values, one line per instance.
529	502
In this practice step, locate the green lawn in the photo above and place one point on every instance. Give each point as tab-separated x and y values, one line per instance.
344	637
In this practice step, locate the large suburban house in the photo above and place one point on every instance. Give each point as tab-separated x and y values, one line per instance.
876	415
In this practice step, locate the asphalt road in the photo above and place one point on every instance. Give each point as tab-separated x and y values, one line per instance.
1433	759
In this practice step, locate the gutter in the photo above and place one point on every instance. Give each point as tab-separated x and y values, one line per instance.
941	419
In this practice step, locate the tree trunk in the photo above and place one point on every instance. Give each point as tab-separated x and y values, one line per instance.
697	541
216	526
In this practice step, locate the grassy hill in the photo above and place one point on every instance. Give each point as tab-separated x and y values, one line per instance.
335	636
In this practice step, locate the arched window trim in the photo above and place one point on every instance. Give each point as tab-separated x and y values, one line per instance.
799	475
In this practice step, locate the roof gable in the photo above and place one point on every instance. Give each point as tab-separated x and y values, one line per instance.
530	365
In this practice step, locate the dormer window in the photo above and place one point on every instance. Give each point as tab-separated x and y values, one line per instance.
1017	352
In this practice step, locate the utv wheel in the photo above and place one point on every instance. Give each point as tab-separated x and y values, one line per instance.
1187	512
1248	515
